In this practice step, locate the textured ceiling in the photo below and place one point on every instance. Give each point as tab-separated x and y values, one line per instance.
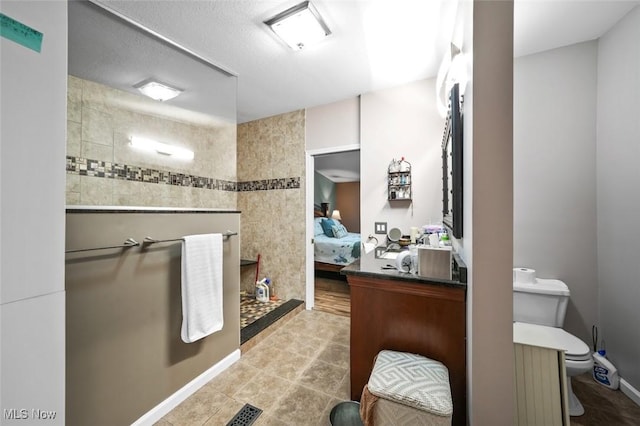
375	44
109	51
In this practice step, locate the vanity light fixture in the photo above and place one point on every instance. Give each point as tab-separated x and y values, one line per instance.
457	69
453	70
161	148
299	26
156	90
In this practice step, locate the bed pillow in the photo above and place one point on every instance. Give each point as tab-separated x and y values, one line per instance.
326	227
339	231
317	226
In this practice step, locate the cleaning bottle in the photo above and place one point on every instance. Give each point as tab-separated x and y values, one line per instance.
262	290
604	372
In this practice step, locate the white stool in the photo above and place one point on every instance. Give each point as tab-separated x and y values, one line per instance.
407	389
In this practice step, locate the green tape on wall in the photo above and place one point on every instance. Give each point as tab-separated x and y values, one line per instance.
20	33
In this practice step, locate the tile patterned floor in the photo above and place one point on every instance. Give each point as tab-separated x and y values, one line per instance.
298	372
251	309
295	375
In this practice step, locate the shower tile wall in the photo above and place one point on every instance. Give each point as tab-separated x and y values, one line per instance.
272	219
100	121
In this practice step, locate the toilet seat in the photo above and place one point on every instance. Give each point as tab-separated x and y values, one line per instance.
553	337
572	357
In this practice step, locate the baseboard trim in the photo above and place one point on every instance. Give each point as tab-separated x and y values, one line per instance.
630	391
160	410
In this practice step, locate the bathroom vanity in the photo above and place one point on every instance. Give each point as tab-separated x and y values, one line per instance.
405	312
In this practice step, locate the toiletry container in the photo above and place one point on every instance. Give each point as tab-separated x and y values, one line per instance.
262	290
434	262
604	372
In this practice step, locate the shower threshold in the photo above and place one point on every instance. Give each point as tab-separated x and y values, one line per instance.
269	315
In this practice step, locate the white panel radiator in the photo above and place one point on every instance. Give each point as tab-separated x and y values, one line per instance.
540	386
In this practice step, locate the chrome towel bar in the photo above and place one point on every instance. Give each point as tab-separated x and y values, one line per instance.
128	243
149	240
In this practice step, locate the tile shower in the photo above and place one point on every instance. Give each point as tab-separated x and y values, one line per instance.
102	169
273	215
256	167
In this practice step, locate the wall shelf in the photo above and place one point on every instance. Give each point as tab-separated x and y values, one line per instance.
399	180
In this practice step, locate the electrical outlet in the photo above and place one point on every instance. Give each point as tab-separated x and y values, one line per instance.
381	227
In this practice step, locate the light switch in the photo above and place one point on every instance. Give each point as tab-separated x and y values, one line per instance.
381	227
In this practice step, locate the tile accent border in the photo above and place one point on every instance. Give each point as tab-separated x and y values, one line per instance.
267	184
105	169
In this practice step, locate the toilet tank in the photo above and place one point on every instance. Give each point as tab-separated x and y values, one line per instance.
544	302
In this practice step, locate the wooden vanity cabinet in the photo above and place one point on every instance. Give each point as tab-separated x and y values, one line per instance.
415	317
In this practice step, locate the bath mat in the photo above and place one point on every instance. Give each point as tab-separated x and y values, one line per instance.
246	416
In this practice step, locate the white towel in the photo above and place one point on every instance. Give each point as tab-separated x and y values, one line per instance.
201	286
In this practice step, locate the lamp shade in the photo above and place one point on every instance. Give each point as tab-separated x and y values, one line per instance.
336	215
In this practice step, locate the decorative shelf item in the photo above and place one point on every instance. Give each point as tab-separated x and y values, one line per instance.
399	180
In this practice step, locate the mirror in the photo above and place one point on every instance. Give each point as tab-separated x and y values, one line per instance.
452	166
127	149
108	49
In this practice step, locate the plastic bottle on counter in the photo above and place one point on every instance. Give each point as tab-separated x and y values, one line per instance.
444	239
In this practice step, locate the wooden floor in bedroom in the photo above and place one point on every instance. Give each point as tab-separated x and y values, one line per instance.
332	296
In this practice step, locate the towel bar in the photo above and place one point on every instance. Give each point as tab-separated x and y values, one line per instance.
149	240
128	243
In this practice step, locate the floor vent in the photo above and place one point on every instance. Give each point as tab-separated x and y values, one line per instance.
246	416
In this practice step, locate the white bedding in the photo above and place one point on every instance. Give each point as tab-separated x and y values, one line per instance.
337	251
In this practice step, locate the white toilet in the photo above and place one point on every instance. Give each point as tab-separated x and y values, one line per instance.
538	311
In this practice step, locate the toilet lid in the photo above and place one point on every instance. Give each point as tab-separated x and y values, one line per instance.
551	337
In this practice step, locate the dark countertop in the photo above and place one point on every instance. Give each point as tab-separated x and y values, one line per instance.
371	266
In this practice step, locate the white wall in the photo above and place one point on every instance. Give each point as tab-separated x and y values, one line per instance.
401	122
333	125
387	124
555	175
618	151
34	89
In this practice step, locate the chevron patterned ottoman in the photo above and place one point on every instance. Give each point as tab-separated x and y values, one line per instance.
406	389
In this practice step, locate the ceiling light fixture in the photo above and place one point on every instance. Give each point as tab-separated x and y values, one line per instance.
156	90
161	148
300	26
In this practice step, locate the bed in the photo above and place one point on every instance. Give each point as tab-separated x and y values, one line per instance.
334	246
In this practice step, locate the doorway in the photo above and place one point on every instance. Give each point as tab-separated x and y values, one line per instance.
333	190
